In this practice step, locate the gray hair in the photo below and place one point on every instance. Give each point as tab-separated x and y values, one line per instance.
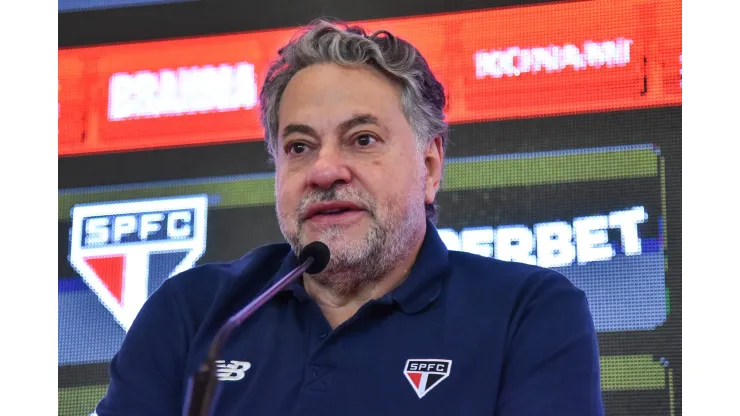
323	41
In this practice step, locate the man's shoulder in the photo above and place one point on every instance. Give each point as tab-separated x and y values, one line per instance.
504	277
260	260
513	295
211	281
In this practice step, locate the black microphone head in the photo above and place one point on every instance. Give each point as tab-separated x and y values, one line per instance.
320	253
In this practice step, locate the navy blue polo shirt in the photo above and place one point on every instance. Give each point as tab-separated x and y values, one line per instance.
462	335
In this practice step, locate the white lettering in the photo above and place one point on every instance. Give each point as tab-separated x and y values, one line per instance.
120	90
592	239
146	85
545	58
150	224
627	222
514	243
478	241
122	226
572	57
554	244
245	89
177	230
450	238
96	231
168	102
513	61
193	90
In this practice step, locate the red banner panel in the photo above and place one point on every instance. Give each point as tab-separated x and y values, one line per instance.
183	92
670	53
71	102
508	63
549	60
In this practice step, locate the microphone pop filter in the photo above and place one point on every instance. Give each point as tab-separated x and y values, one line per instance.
320	253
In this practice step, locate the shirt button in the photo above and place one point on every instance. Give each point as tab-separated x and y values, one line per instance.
322	335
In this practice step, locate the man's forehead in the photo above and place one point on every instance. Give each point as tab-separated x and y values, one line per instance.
329	98
332	90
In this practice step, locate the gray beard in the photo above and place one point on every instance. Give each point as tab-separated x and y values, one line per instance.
357	264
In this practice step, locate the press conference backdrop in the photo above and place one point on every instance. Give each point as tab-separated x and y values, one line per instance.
564	152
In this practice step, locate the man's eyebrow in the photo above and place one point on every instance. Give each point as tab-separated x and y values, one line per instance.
346	125
299	128
357	120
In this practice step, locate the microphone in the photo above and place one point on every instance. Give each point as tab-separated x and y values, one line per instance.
202	391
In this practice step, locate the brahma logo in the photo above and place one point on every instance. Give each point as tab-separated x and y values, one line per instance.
125	250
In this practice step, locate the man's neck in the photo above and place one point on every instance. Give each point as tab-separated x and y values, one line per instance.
339	307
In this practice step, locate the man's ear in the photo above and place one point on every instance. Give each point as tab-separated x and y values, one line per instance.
434	161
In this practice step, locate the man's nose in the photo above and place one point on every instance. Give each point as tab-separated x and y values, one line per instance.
329	169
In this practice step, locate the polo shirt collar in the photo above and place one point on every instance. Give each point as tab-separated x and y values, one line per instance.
421	287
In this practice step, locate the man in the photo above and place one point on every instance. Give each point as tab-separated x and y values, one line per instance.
395	324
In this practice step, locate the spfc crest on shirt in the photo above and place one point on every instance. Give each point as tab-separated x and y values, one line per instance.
426	374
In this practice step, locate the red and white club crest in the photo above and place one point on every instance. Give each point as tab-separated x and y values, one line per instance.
125	250
426	374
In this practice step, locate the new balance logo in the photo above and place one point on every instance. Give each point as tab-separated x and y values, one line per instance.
233	371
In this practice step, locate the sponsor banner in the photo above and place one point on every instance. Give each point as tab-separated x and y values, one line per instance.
533	61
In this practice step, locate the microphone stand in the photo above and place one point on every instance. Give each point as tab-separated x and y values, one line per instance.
202	387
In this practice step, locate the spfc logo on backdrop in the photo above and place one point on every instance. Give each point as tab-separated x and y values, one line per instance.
426	374
125	250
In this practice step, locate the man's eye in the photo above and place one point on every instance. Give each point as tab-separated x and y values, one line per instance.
297	147
365	140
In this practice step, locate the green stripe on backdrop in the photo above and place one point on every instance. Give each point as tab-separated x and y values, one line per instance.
621	372
559	168
79	401
631	372
470	173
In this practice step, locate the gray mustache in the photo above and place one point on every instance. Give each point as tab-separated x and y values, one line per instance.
334	194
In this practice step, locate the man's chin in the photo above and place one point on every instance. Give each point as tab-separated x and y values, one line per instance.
339	240
334	239
335	232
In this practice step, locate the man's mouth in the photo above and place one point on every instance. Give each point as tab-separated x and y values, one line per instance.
333	209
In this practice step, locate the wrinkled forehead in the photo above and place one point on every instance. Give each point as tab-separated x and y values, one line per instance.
326	96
